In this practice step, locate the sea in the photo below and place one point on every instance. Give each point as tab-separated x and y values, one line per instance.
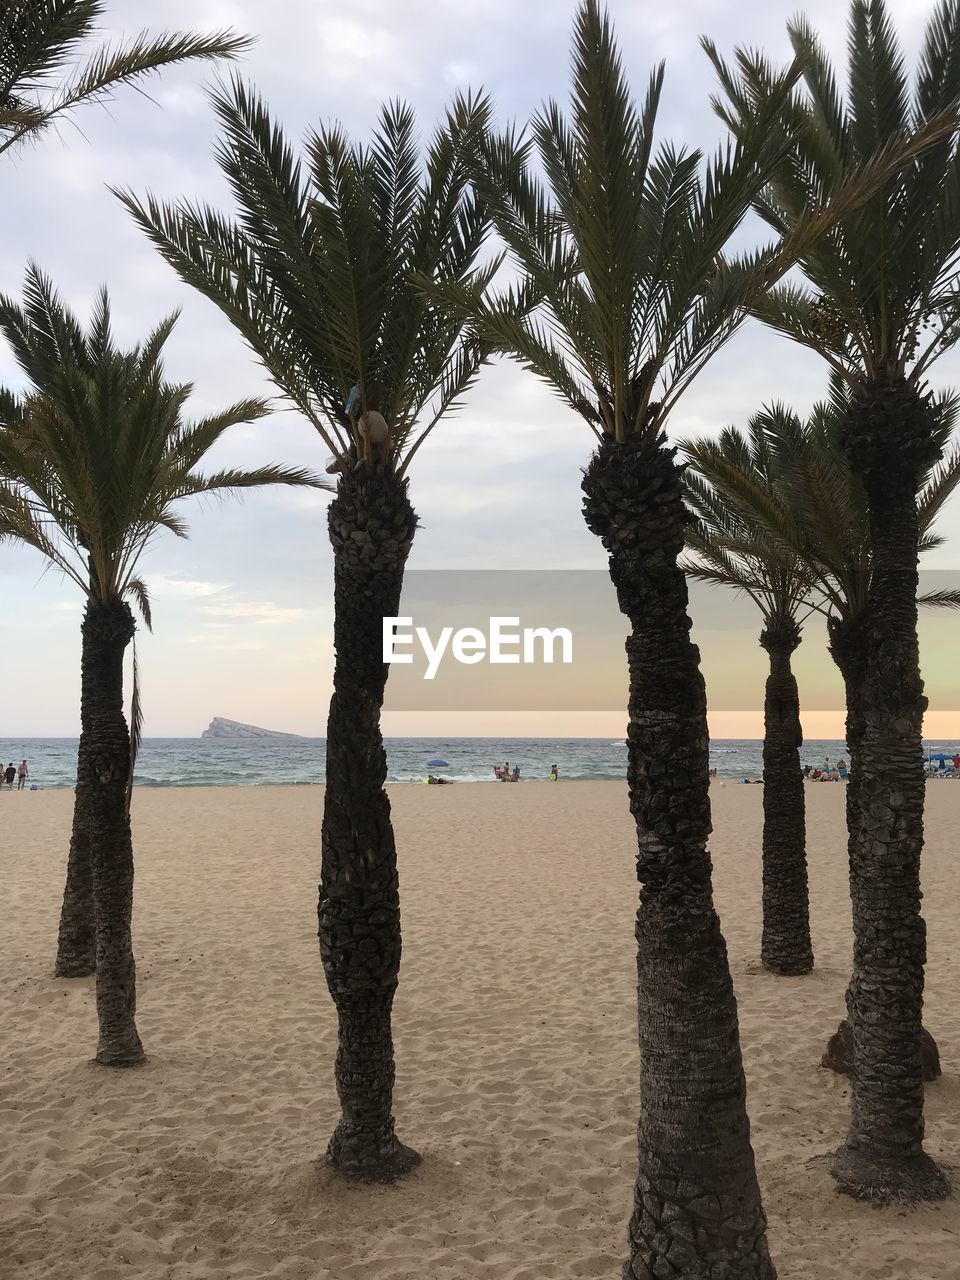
239	762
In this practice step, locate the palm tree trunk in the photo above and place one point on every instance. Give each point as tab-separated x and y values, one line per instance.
101	811
371	528
697	1208
785	946
848	648
77	935
889	440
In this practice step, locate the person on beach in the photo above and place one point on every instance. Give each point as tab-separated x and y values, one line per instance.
842	770
23	773
826	764
9	774
956	763
516	774
554	774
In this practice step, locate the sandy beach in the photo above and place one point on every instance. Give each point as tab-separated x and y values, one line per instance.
515	1030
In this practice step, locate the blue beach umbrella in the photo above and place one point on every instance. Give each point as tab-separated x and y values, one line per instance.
437	763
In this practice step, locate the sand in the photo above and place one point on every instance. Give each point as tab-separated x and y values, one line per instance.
515	1047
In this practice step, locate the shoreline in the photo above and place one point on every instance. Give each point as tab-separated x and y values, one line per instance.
724	780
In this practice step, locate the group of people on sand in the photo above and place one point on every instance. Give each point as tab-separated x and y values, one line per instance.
838	773
504	773
18	773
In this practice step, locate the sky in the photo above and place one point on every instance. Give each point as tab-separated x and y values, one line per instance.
242	612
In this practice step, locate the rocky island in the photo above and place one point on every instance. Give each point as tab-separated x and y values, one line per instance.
221	728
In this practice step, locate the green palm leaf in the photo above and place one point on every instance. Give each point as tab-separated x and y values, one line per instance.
41	79
883	281
316	269
96	456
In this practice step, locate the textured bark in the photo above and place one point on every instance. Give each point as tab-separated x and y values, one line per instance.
697	1209
848	647
371	528
77	936
889	440
785	946
839	1055
101	811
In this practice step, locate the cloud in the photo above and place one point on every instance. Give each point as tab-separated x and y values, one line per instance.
255	610
168	585
222	645
499	482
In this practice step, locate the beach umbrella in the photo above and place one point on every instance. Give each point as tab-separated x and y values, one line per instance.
940	756
437	763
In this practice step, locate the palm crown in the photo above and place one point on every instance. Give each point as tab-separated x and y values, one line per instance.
40	81
883	296
316	271
733	547
95	456
627	290
779	514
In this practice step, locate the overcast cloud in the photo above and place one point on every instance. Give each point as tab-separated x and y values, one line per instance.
242	611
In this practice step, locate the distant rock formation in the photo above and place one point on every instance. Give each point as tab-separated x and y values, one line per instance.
221	728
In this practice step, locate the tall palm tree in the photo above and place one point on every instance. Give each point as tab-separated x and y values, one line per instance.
820	519
315	273
880	305
626	294
44	74
95	458
734	549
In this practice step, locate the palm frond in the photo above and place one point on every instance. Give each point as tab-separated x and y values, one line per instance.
316	270
41	40
939	599
881	279
137	588
96	455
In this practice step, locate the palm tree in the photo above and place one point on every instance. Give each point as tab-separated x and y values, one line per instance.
734	549
40	39
626	294
95	457
820	519
315	273
880	306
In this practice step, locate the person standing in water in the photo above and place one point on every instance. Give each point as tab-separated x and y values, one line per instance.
23	773
554	775
9	773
